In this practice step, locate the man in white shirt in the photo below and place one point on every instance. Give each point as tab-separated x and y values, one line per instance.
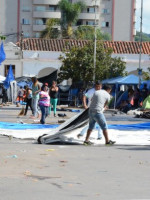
98	103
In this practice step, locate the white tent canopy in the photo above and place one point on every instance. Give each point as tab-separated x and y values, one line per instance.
2	78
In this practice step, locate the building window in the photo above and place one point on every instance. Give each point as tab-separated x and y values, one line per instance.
79	22
91	10
6	68
40	8
25	21
105	11
39	22
105	24
26	35
52	8
26	9
37	35
90	23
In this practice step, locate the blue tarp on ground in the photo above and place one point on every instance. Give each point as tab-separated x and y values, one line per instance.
18	126
130	127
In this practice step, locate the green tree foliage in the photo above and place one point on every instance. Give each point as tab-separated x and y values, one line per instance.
77	64
2	37
85	32
51	30
70	13
146	75
145	37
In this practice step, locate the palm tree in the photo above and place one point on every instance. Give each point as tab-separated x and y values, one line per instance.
70	13
51	31
86	32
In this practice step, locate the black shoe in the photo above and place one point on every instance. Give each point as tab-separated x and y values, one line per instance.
87	143
110	142
99	138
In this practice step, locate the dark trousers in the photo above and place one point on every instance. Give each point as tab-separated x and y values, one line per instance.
29	104
45	112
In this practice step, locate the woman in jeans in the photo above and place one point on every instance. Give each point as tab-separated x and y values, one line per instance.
44	103
35	97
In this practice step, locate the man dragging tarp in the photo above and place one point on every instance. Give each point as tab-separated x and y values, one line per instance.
99	102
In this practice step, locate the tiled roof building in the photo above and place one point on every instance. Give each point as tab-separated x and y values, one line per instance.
34	44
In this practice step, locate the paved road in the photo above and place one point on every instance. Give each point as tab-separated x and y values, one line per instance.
29	171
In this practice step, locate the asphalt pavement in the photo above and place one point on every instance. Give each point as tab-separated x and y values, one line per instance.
30	171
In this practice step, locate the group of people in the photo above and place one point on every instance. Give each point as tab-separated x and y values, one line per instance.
134	98
46	97
42	97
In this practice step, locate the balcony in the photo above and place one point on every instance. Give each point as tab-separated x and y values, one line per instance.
46	14
39	27
92	2
90	16
46	2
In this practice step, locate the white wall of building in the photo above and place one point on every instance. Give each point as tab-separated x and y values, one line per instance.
35	61
132	61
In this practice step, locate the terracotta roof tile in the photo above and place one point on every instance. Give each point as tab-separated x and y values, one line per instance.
118	47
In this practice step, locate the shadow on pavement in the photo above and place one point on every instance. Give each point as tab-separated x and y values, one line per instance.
134	148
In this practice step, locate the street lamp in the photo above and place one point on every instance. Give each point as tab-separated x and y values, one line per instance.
94	70
141	23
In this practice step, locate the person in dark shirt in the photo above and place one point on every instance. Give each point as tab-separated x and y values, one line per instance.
144	92
53	97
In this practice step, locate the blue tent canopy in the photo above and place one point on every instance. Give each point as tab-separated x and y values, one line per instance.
127	80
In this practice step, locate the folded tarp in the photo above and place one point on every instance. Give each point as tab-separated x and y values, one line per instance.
77	121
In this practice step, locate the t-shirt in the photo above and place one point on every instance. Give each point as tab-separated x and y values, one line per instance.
89	94
98	101
44	99
20	92
34	89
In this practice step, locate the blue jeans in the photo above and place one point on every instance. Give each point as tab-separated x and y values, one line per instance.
45	112
99	118
35	107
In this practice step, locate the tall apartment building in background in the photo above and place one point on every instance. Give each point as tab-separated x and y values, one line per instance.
116	17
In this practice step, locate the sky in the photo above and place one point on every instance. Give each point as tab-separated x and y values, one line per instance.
146	16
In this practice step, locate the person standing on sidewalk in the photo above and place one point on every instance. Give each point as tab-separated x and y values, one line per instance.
36	88
99	101
28	100
44	103
53	97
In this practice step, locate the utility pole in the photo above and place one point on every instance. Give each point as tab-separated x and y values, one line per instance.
140	54
94	70
21	52
21	40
